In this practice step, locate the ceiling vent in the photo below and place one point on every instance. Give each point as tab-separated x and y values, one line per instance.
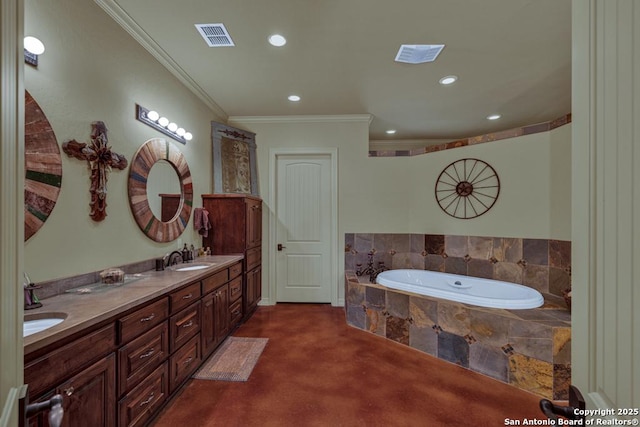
418	53
216	35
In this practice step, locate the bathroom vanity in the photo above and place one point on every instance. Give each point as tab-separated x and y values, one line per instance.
120	355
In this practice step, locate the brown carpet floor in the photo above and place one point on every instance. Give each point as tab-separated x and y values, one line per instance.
318	371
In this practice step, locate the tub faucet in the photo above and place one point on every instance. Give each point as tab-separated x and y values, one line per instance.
370	269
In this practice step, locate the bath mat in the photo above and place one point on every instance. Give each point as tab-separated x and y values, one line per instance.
233	360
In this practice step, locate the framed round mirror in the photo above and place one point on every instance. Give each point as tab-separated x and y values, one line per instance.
43	167
148	155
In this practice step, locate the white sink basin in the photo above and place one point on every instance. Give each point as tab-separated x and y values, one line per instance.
38	323
192	267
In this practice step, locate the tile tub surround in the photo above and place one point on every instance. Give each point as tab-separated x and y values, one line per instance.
529	349
542	264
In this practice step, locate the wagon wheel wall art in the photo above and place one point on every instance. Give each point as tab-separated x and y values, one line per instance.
43	168
467	188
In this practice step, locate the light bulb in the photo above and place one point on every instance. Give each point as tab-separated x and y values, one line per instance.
494	117
180	132
153	115
188	136
163	121
293	98
172	127
33	45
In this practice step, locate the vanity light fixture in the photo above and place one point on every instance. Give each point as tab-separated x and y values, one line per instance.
160	123
447	80
32	48
277	40
293	98
494	117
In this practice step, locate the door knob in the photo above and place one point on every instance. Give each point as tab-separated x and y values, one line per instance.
575	410
280	247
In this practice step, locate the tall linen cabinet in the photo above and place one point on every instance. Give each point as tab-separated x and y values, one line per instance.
236	221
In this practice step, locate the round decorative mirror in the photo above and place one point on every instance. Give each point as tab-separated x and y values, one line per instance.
43	167
467	188
148	155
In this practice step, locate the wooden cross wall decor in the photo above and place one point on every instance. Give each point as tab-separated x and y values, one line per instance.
101	160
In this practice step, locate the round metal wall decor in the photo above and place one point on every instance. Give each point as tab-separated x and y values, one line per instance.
467	188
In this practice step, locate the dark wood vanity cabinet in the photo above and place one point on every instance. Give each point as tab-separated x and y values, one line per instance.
121	373
236	221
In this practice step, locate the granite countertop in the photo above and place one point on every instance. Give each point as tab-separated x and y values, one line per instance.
85	310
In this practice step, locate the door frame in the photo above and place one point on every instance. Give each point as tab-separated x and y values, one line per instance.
274	153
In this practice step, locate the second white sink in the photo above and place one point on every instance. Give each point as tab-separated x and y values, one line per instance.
192	267
35	325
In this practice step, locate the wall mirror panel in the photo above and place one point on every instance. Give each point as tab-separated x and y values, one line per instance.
152	152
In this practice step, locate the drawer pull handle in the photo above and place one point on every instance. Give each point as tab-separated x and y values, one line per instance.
236	312
149	400
146	319
147	354
187	361
189	296
188	325
69	391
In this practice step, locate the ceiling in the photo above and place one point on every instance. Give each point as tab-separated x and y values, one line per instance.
512	57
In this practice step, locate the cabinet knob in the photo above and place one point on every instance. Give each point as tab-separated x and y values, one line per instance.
69	391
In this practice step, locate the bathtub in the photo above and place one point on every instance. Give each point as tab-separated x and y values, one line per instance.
464	289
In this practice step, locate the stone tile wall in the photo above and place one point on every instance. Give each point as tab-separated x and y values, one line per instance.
541	264
529	349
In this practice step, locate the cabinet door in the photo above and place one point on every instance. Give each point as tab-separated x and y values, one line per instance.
222	317
207	329
90	396
254	288
254	222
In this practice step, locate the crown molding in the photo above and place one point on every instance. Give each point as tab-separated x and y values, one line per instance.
131	26
303	119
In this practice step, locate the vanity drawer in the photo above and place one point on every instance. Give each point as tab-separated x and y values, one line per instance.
254	257
184	325
47	371
184	362
235	313
142	320
235	270
215	280
141	356
185	296
235	289
143	401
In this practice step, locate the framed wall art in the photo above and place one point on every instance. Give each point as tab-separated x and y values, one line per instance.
234	160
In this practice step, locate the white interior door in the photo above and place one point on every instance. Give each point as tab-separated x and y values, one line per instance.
303	231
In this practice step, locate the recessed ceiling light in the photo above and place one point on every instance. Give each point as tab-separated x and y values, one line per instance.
293	98
391	131
447	80
277	40
494	117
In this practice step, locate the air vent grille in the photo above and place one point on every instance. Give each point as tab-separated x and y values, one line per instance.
418	53
216	35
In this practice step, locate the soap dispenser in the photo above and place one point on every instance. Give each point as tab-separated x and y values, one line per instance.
185	253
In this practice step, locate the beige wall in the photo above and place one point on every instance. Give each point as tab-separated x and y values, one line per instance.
396	194
93	70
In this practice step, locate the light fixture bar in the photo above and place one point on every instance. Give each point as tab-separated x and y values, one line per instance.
142	114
